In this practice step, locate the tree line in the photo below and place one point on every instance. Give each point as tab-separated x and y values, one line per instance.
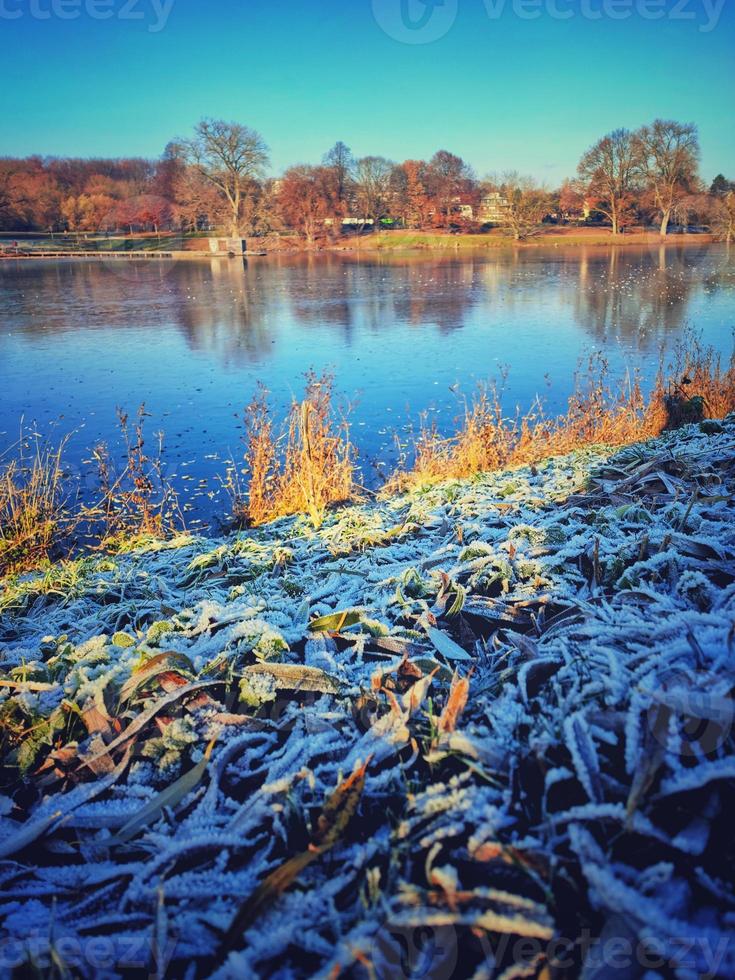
217	178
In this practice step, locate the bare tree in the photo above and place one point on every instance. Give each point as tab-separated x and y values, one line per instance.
340	160
372	187
259	211
723	217
527	203
609	170
197	203
231	157
667	154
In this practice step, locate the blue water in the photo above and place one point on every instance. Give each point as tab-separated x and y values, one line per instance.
404	334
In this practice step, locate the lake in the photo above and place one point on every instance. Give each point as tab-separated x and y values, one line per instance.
403	334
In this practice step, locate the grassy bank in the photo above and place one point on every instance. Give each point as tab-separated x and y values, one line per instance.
490	719
382	241
498	238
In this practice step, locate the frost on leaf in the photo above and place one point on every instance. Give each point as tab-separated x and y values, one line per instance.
538	665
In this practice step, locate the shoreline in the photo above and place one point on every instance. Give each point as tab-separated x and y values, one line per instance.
398	242
495	674
550	240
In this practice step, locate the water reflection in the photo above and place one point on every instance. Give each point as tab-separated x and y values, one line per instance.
400	331
234	309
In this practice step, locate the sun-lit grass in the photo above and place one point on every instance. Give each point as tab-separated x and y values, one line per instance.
427	239
42	515
698	372
307	462
304	466
34	509
136	500
695	385
545	235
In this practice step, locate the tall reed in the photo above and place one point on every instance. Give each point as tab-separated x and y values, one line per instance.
35	505
42	513
305	466
136	499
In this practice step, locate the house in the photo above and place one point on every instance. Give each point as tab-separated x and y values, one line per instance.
351	222
461	206
493	208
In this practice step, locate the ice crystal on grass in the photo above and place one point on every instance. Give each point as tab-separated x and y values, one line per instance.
585	779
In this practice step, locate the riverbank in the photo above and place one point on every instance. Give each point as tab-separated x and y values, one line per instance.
382	241
551	237
495	713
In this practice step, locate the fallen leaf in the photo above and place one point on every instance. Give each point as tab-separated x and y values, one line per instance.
169	797
446	645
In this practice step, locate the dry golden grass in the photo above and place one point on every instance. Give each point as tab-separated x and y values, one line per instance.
698	372
305	467
138	501
34	515
695	385
308	463
42	517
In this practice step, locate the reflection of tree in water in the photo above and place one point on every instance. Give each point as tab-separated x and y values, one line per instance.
376	292
217	306
638	295
440	292
721	274
372	293
236	311
75	294
641	296
316	289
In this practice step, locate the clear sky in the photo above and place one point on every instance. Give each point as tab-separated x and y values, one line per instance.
523	84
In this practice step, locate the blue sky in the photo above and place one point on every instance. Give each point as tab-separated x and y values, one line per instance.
509	84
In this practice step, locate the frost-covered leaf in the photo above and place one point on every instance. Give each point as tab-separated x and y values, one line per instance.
336	622
294	677
446	645
584	754
169	797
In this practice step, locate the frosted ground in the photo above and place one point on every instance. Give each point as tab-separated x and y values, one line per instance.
253	757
